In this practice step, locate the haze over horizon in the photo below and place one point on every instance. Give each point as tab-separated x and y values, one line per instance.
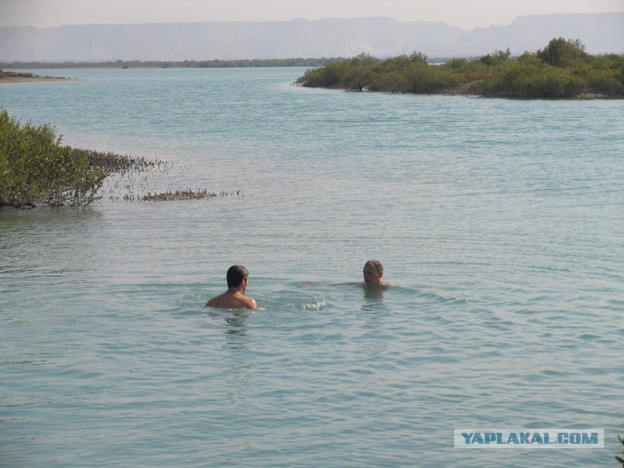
479	13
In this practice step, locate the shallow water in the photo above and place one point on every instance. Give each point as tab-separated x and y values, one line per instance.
500	220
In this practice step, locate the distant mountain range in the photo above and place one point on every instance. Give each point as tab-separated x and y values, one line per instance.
601	33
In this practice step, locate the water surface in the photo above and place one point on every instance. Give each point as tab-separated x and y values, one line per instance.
501	221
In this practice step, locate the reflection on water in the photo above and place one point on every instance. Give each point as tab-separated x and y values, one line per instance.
237	333
241	363
48	242
373	298
238	320
374	292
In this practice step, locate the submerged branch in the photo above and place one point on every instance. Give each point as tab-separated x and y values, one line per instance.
183	195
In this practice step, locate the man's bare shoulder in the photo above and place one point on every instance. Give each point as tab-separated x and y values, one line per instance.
217	301
214	302
230	301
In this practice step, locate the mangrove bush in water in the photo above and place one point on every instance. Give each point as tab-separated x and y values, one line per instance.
35	168
561	70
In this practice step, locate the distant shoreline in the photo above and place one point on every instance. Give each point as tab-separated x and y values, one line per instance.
216	63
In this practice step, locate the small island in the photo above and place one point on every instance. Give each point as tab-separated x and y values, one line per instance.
561	70
25	77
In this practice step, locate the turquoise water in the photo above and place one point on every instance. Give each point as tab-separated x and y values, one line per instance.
501	220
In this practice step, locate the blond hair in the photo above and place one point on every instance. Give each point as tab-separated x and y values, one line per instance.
377	264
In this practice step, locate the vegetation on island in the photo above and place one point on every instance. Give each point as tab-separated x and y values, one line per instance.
37	169
216	63
9	74
561	70
25	76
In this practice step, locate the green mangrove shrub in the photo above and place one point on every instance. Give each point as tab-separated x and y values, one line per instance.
495	58
7	74
530	81
402	74
35	168
561	70
562	52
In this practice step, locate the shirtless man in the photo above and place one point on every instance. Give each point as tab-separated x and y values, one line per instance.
237	277
373	271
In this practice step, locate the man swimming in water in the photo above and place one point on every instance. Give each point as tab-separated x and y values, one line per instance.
237	278
373	271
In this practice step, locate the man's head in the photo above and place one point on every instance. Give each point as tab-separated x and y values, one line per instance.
373	271
236	275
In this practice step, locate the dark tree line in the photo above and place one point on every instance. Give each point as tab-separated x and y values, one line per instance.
216	63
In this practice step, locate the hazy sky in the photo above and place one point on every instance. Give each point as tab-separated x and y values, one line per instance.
463	13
